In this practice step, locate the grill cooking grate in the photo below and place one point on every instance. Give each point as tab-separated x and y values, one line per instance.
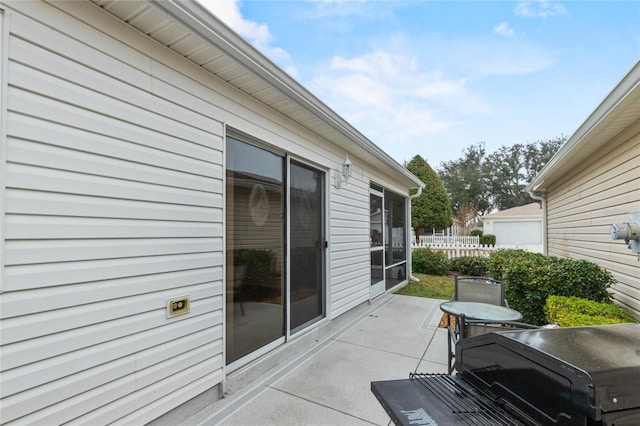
468	405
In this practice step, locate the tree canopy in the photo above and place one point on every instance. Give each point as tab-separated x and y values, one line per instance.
432	209
497	180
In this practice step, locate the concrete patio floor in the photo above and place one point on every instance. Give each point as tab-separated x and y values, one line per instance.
325	378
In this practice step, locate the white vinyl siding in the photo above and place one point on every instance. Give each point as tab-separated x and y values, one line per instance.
349	246
113	205
583	205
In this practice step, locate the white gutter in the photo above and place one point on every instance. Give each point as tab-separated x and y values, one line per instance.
409	264
542	199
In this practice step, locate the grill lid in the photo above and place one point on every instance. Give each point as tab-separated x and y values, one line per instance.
586	371
609	354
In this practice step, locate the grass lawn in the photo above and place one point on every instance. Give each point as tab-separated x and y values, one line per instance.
431	286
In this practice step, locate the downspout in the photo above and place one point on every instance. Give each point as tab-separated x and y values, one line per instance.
411	197
542	198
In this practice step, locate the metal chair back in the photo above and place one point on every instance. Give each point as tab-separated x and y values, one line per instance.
479	290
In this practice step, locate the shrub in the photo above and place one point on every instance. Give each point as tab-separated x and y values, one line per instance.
432	262
498	258
531	278
488	240
475	232
470	265
575	311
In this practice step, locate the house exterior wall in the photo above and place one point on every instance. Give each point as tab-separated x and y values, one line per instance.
113	203
582	205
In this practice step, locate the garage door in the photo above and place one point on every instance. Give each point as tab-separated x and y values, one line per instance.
522	233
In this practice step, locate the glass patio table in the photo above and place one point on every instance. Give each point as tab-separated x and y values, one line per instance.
480	311
464	311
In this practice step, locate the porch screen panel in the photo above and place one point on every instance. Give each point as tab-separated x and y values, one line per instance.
396	247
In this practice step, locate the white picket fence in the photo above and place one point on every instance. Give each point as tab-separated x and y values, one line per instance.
449	240
457	249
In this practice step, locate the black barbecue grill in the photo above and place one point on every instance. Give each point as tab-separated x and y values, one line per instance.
561	376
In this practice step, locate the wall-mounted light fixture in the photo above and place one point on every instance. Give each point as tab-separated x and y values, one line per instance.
347	170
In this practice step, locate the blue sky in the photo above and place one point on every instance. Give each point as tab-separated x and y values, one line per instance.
434	77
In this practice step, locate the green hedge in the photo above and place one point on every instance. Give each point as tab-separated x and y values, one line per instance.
432	262
574	311
531	278
488	240
470	265
498	258
475	232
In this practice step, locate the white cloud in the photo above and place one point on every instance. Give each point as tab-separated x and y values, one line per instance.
389	93
343	8
228	11
539	9
503	29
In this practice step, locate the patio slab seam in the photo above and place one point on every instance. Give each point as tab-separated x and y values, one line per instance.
371	348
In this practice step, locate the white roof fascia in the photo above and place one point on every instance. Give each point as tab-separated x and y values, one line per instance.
625	93
205	24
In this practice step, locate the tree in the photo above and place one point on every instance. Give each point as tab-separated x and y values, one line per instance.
506	177
512	168
432	209
466	216
497	180
465	180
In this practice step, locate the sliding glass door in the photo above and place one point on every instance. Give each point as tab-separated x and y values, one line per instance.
258	301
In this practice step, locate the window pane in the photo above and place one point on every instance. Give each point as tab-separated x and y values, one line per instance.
255	248
306	245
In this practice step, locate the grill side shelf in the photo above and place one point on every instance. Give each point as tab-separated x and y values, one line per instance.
439	399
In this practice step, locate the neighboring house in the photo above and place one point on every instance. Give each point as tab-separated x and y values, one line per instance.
172	208
592	182
517	227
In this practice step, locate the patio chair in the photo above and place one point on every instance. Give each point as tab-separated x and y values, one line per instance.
473	289
484	290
